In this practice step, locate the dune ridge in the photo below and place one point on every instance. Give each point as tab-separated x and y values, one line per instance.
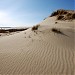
41	51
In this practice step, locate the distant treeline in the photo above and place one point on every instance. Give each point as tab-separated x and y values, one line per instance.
11	30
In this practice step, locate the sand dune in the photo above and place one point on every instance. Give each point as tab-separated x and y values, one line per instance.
41	53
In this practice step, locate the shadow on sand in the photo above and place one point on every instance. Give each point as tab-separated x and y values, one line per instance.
58	32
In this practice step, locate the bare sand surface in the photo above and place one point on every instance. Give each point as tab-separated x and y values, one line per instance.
41	53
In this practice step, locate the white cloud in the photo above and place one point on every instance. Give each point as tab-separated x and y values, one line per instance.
6	19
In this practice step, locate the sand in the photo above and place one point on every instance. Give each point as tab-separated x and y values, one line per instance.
41	53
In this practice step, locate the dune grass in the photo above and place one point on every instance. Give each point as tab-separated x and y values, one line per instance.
35	27
63	14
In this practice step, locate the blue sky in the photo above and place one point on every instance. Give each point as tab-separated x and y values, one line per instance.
29	12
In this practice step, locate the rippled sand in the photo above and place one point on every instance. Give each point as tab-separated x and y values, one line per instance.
44	53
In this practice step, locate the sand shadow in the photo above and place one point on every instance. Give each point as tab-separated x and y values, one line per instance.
58	32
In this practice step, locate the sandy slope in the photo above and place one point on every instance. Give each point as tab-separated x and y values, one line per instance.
44	53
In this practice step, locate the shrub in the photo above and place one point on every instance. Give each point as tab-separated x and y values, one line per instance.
35	27
56	31
73	16
54	14
59	12
64	14
3	31
69	16
60	17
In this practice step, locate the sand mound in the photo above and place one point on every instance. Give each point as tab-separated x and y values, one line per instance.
64	14
46	51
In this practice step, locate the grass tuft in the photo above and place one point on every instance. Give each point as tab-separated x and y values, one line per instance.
35	27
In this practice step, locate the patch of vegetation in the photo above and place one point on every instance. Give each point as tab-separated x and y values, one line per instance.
3	31
73	15
58	12
64	14
69	16
56	30
53	14
35	27
60	17
12	30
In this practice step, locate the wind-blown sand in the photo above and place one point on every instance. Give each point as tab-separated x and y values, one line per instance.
44	53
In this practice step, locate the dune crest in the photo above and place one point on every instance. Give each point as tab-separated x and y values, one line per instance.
64	14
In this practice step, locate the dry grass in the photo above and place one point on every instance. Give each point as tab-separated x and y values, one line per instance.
35	27
60	17
3	31
73	15
64	14
69	16
53	14
12	30
56	31
59	12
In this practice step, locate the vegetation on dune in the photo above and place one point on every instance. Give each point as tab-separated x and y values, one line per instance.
35	27
59	12
56	30
70	16
64	14
3	31
11	30
60	17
